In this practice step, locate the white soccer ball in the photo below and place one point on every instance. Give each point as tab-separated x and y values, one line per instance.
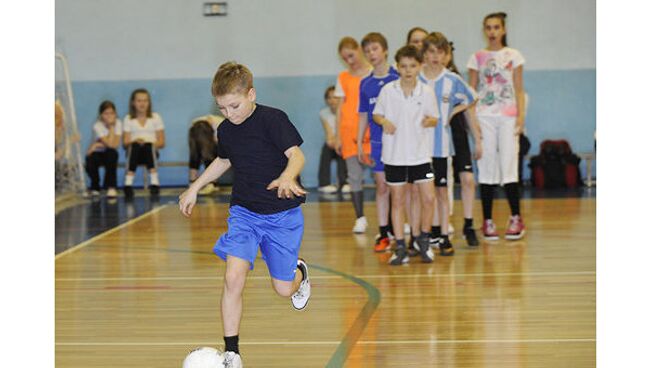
204	357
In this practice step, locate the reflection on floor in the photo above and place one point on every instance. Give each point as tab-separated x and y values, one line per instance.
80	219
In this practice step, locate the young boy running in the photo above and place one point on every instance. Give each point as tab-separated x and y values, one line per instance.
407	112
375	48
261	145
453	96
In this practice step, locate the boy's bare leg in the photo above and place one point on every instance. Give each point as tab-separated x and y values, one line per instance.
443	209
299	289
427	204
287	288
233	289
468	192
421	233
398	199
443	213
407	205
382	198
415	210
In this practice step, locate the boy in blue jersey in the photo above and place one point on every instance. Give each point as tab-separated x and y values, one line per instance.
375	48
261	145
453	96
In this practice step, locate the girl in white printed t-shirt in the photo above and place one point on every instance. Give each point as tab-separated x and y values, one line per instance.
144	135
496	73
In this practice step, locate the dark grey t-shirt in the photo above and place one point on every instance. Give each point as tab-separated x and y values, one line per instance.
255	149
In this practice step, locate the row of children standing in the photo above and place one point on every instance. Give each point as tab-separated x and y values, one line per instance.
419	114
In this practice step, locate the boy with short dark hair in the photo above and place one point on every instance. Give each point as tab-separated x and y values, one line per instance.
407	112
261	145
375	48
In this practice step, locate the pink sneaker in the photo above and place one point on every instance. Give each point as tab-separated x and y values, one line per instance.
516	228
489	230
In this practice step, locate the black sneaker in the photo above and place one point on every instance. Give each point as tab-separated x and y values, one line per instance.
128	192
425	250
154	190
470	235
399	257
446	248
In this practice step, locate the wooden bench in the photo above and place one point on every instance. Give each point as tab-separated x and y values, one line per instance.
588	158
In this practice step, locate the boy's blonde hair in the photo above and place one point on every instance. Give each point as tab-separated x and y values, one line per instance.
232	77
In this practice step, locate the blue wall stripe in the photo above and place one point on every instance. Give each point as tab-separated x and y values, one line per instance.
562	106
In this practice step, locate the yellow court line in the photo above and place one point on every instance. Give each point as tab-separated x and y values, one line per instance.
324	277
334	342
108	232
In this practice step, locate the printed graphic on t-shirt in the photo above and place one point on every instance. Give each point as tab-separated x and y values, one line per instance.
496	87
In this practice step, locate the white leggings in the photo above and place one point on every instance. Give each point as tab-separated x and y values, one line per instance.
498	165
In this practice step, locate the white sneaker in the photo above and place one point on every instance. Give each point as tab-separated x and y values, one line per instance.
360	225
328	189
346	189
111	193
300	298
232	360
407	228
207	190
92	194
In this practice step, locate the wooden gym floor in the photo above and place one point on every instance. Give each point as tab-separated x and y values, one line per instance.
147	291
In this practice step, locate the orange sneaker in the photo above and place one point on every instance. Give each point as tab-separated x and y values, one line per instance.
382	245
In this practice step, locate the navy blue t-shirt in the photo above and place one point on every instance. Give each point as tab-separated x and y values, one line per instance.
255	149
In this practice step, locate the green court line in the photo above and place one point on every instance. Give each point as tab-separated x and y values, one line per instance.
358	326
354	333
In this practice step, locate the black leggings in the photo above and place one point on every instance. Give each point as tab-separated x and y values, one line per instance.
95	160
141	154
196	159
327	154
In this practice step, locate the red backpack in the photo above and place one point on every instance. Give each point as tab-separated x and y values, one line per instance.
556	166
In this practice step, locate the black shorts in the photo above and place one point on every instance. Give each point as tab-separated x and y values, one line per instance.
400	175
440	170
141	154
462	160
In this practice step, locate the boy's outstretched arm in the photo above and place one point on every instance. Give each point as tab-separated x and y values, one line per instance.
286	183
187	199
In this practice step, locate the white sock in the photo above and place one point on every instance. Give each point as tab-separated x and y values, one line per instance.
128	180
154	179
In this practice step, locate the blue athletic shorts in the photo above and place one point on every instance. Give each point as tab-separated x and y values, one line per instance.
375	154
277	235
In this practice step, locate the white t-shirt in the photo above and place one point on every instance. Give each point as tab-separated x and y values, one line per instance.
412	143
147	132
329	117
496	90
100	131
